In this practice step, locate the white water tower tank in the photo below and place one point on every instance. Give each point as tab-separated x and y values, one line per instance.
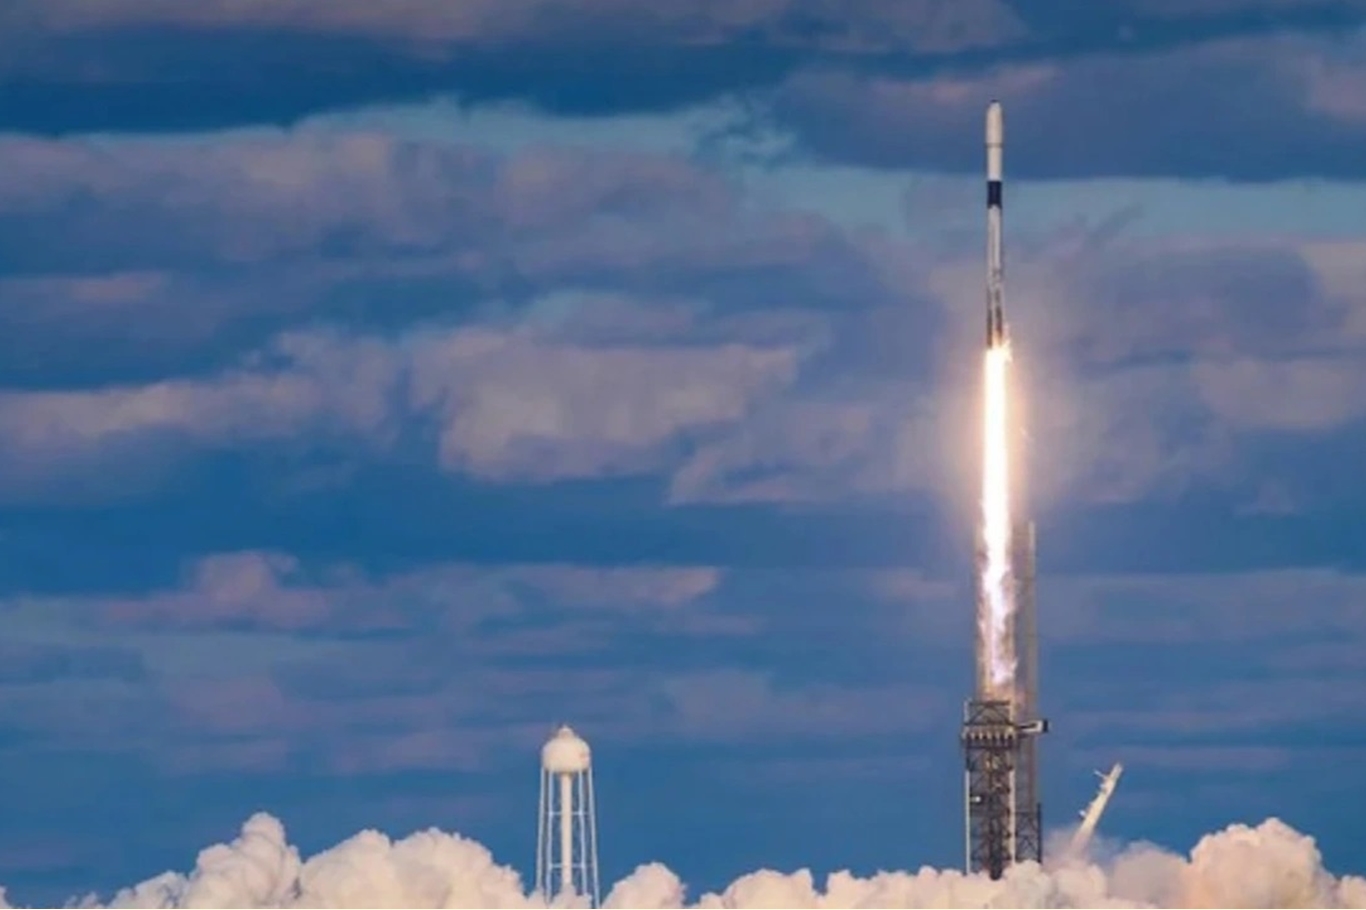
566	830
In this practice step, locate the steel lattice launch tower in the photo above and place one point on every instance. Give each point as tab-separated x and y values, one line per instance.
1001	722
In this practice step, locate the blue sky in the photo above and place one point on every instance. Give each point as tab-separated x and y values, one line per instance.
381	387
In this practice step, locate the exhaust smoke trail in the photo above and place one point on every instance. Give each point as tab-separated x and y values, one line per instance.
996	610
1269	865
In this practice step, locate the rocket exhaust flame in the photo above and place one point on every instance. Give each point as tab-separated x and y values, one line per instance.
996	611
996	586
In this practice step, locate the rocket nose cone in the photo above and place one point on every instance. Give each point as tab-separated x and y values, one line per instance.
995	124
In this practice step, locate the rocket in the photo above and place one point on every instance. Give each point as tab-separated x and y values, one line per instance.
995	135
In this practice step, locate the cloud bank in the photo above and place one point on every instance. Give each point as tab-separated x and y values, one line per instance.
159	65
1270	865
572	314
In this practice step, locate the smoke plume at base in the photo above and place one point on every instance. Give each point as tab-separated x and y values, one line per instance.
1270	865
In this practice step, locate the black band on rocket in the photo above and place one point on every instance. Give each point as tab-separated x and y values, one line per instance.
993	194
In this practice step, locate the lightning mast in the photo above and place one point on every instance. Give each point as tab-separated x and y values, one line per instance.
1003	821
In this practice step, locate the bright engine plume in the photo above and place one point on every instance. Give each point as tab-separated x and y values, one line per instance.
997	610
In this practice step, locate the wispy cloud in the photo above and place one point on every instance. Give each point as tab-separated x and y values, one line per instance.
75	67
430	668
1302	125
504	405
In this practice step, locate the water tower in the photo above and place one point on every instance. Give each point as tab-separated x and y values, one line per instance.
567	828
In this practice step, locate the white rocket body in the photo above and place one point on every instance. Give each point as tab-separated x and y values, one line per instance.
995	136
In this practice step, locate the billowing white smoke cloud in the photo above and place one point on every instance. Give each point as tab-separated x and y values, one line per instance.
1271	865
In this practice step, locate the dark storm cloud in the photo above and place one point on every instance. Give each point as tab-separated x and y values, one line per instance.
1246	109
155	65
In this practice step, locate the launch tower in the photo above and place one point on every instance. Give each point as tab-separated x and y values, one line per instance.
1001	724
